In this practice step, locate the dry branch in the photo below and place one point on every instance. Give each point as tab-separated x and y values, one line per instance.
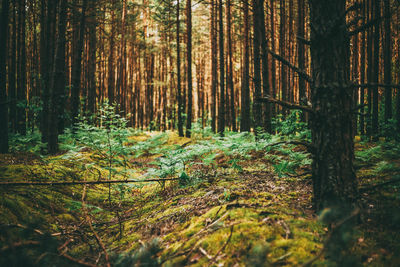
286	104
299	71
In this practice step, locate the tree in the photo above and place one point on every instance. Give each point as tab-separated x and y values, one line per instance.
3	72
375	73
57	81
77	64
230	65
178	67
387	58
245	108
221	109
214	63
21	89
189	66
333	174
257	23
301	53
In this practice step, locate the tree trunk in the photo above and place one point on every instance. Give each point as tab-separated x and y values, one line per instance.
301	55
111	76
91	102
214	63
3	72
189	66
375	73
21	90
334	178
245	105
221	110
257	113
230	65
178	66
57	80
77	66
388	63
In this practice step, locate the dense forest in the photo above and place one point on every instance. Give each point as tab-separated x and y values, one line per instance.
206	133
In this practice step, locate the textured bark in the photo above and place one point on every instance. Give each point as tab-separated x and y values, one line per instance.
334	178
91	101
273	68
388	63
301	54
214	63
77	66
57	80
282	52
12	72
111	76
189	66
257	113
221	109
3	93
230	66
21	89
178	66
375	73
245	108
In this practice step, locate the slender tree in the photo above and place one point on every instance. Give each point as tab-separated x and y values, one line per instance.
178	66
221	109
3	72
245	105
387	58
214	63
301	53
189	66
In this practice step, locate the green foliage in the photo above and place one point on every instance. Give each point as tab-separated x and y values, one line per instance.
291	125
31	142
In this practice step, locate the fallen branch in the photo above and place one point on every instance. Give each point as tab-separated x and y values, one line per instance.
20	244
286	104
83	182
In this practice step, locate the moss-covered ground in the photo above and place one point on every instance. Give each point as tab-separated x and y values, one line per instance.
229	212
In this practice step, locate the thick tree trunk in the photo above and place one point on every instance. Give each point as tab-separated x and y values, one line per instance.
189	66
3	72
245	105
12	72
334	178
111	75
57	81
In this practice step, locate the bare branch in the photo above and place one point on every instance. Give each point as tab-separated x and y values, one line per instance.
286	104
300	72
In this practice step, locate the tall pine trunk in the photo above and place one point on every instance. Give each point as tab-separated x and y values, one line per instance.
334	178
245	105
189	66
3	72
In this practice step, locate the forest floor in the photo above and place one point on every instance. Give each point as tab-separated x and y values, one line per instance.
235	202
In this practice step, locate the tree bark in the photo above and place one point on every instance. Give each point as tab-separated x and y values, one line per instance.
245	105
77	66
388	63
221	109
57	80
257	112
230	65
189	66
21	89
301	54
214	63
333	175
375	73
178	67
3	72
